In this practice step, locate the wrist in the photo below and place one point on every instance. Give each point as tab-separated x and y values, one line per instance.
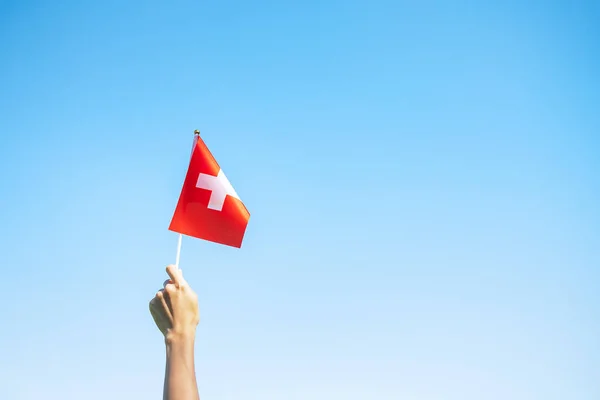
179	337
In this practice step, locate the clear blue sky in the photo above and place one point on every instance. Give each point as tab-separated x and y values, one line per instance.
423	179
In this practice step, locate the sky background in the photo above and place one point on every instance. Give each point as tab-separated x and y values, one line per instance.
423	179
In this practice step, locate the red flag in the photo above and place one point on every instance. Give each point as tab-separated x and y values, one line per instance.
208	207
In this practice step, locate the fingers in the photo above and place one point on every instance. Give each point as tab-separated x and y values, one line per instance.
162	323
159	305
176	275
169	287
161	297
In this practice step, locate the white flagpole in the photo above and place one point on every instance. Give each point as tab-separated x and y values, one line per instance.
178	251
196	135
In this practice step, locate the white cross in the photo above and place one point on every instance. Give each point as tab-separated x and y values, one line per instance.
219	186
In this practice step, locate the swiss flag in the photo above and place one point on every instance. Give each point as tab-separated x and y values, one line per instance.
208	207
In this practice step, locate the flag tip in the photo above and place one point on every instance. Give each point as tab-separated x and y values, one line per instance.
197	132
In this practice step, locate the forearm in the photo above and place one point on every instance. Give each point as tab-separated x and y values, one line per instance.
180	375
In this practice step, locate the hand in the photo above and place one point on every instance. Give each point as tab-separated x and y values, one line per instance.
175	307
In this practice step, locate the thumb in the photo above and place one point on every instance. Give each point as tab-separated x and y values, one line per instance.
176	275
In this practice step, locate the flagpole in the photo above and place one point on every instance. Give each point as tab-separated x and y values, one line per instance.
177	256
178	251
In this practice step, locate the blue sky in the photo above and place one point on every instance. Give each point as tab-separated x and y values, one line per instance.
423	180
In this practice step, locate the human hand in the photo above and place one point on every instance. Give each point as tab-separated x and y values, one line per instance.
175	307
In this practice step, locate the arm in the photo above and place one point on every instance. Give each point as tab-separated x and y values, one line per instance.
180	376
175	311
